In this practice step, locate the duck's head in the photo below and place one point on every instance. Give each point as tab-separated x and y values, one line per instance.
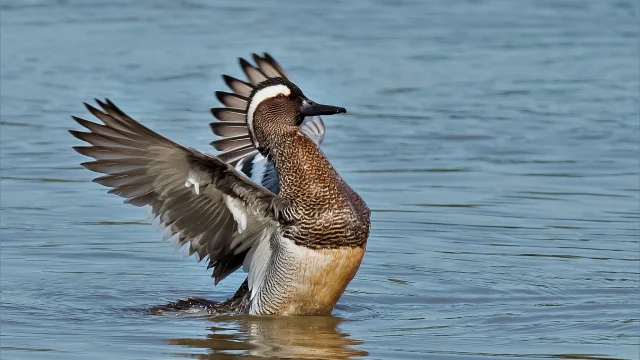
276	105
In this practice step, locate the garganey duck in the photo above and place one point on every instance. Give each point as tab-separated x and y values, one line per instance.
271	202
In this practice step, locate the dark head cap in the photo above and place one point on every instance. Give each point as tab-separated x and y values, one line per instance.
283	102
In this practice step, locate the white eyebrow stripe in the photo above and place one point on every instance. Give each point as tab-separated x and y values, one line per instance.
260	96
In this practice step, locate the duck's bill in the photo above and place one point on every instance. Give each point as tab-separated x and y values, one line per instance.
310	108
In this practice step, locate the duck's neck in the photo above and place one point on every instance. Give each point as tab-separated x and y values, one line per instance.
326	212
304	173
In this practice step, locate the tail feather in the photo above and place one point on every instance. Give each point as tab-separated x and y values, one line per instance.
238	86
236	304
231	142
232	100
229	114
231	124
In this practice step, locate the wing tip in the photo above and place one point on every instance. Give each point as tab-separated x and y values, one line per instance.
220	95
78	134
244	63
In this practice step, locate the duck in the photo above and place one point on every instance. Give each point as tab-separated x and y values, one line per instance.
270	202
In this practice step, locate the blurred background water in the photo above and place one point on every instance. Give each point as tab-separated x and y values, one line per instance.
497	143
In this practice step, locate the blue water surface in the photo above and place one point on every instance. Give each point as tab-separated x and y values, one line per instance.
496	142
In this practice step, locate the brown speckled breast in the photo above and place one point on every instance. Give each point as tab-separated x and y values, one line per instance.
323	211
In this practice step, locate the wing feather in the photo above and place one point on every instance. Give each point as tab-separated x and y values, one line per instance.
148	169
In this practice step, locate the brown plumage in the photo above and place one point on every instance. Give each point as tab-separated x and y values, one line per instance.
309	183
271	202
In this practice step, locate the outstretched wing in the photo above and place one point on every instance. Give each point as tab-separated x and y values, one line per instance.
235	144
199	198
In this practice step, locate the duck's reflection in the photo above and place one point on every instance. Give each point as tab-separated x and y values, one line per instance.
300	337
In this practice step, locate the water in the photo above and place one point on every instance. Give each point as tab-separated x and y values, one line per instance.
497	143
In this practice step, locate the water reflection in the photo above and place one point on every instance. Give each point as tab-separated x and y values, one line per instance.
301	337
